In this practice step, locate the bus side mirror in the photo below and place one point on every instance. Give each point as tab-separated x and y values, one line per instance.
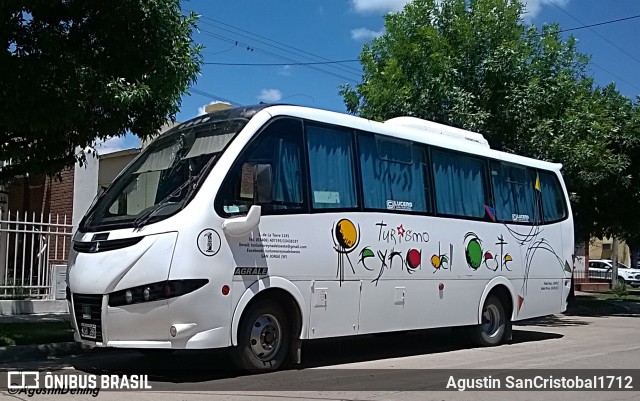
242	225
262	184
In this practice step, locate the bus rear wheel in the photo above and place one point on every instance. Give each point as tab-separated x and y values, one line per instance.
263	338
493	324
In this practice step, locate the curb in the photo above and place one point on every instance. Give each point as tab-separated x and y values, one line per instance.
22	353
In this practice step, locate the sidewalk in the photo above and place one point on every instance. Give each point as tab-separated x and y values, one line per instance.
15	353
38	352
36	317
34	352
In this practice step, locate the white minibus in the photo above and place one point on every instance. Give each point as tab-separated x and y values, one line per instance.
256	228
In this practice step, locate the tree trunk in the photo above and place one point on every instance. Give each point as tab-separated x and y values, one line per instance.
614	263
634	257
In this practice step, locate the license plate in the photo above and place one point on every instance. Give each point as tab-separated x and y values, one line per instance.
88	330
86	311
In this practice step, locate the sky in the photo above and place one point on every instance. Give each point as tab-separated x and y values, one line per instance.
286	32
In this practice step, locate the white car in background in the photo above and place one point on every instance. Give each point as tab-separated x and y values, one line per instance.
601	269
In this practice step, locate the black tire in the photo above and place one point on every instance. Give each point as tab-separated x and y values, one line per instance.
621	281
263	338
491	330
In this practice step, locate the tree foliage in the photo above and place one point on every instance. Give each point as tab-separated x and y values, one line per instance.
75	70
473	64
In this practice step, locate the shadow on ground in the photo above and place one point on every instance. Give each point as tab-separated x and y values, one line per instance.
585	306
203	369
213	370
552	321
591	306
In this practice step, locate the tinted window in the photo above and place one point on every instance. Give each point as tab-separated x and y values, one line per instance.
553	205
459	184
331	168
278	147
166	175
514	192
392	174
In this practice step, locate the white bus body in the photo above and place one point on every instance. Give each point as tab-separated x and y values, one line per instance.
321	230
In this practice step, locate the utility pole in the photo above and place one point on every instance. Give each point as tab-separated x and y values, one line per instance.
614	263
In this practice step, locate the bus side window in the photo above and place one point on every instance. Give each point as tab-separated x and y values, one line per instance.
392	174
459	184
277	146
514	191
331	168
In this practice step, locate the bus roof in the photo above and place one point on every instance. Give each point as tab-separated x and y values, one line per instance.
413	129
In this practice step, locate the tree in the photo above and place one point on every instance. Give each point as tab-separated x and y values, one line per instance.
627	204
597	141
473	64
74	71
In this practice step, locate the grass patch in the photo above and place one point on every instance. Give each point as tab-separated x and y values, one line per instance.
632	295
35	333
606	304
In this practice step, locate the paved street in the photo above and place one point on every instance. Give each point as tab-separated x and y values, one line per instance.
380	367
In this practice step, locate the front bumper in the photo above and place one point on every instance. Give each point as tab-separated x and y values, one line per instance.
168	324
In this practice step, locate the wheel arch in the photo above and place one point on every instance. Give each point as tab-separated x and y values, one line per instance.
276	288
503	289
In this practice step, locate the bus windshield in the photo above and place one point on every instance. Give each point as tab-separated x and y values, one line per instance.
162	180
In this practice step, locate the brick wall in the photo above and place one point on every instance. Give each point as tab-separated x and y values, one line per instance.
61	203
26	195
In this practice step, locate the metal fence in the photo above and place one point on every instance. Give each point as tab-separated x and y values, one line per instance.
593	276
31	246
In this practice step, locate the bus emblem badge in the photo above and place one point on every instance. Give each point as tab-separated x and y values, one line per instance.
251	271
209	242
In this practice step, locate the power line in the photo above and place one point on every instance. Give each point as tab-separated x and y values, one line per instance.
289	60
337	70
281	49
592	25
294	50
267	52
219	52
596	33
255	48
607	40
284	64
599	23
213	97
615	76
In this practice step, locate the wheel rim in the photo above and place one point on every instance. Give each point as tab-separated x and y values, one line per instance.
266	336
491	320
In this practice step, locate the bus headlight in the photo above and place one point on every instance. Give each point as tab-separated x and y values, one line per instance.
155	291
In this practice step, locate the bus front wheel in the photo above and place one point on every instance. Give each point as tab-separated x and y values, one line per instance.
263	338
493	324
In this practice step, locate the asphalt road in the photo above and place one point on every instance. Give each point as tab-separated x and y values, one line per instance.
405	366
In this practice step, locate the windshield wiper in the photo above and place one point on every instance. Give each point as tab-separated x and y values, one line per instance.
144	218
